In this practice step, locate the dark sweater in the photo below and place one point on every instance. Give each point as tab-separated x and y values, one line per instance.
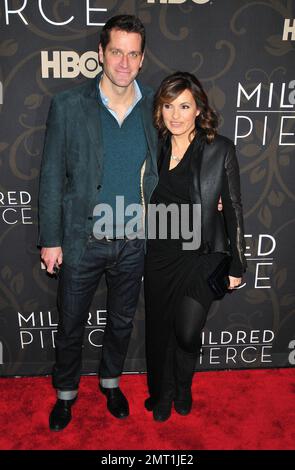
125	150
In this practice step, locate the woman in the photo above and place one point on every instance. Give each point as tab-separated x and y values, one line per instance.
196	166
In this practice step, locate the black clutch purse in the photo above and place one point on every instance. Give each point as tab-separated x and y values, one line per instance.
218	280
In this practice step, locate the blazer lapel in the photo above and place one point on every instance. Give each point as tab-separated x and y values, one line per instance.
91	110
196	167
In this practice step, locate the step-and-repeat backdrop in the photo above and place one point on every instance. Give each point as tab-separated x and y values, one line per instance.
244	54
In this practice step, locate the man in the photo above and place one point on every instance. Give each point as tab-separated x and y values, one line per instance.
100	143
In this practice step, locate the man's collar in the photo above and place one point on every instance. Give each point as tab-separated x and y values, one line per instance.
105	99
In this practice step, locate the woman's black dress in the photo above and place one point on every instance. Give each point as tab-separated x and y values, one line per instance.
171	272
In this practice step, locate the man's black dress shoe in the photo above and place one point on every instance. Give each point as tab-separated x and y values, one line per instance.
162	410
183	403
61	415
117	403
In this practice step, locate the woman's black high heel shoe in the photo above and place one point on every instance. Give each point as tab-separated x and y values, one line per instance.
183	402
162	410
148	404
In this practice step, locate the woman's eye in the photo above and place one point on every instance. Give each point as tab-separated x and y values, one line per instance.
166	106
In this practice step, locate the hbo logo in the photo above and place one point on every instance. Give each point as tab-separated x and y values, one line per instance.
68	64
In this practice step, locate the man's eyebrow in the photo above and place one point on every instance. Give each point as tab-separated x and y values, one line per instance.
117	49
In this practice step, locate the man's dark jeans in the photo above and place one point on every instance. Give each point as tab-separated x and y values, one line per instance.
122	262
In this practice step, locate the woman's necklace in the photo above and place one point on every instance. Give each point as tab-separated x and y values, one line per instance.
179	151
177	159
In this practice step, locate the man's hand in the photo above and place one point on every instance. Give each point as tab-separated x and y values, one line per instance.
220	205
234	282
51	257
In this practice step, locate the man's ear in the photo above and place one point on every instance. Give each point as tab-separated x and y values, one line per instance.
100	54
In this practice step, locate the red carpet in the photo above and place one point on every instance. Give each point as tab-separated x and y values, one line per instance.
232	410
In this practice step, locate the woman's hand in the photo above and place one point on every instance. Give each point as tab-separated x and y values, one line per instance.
234	282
